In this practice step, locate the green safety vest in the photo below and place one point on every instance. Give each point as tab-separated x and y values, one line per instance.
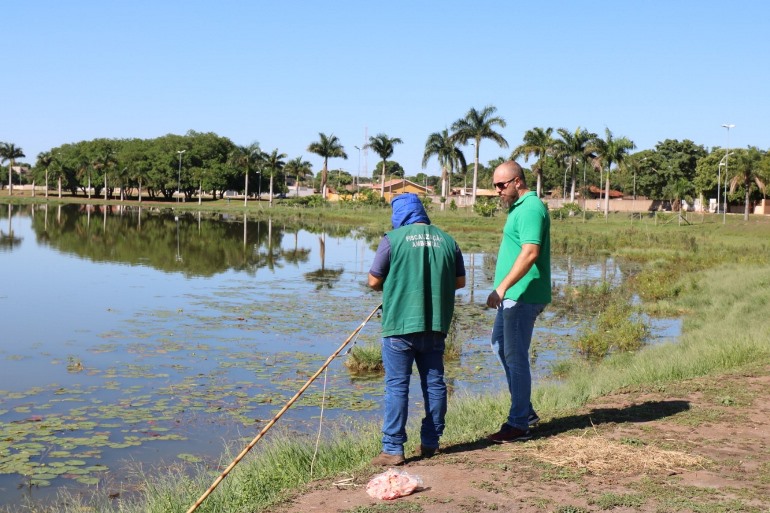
419	290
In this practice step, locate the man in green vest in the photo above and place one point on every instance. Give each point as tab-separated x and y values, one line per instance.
522	290
417	267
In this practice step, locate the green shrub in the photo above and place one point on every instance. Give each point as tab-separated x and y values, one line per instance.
370	197
615	330
312	201
566	210
485	207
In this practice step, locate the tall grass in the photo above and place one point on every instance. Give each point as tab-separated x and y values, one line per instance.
728	328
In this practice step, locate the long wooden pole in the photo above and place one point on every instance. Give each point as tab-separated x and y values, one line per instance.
278	415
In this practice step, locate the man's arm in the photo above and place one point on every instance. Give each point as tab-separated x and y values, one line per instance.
375	282
459	268
522	265
381	265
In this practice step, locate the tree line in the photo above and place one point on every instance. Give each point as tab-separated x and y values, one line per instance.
565	162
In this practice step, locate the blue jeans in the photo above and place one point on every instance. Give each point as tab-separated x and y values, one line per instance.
511	337
398	354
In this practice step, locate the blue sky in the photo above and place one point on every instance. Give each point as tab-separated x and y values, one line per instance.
281	72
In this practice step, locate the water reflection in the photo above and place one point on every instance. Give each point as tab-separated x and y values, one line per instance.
323	277
196	244
8	241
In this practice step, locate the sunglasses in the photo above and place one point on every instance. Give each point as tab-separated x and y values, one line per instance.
503	185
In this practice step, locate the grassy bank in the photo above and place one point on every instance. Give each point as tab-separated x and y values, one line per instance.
726	329
715	275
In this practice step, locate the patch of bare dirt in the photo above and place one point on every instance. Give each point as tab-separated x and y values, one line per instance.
698	446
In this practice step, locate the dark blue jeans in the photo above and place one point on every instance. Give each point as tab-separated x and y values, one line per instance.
426	349
511	337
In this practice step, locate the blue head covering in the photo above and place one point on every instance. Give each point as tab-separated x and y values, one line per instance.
408	209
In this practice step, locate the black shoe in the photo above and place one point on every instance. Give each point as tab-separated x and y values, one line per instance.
427	452
533	421
508	434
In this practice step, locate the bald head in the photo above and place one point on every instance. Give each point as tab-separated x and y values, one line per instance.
508	171
509	182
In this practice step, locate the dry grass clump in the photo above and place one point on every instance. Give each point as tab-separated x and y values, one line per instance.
599	455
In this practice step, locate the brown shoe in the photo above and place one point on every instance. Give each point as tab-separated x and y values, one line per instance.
388	460
427	452
508	434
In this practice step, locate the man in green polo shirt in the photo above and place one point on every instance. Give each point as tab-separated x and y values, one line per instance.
522	290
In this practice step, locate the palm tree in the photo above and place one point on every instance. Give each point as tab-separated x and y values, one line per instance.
327	147
299	168
678	191
608	151
539	143
83	172
58	170
382	145
9	153
273	164
747	164
449	156
44	160
572	148
246	157
104	161
478	125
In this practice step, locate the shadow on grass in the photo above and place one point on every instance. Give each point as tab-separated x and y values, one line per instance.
637	413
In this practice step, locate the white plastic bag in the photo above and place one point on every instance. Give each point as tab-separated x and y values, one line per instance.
393	484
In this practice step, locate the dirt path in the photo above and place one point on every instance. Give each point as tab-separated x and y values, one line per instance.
699	446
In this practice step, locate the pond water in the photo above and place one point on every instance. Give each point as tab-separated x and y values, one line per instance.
148	336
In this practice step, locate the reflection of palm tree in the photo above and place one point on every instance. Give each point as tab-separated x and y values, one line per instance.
297	254
9	240
323	277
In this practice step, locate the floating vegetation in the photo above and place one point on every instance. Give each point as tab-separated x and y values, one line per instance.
365	359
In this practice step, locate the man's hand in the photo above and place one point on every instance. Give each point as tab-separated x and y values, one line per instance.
494	300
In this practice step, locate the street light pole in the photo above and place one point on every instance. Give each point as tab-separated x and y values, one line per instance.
179	176
728	126
719	183
358	179
719	179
